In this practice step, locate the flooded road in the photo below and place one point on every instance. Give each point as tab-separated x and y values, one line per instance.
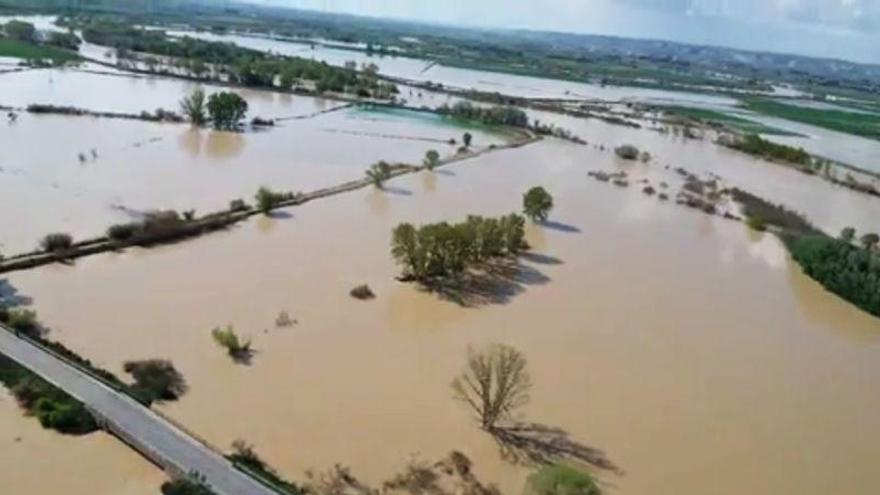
688	349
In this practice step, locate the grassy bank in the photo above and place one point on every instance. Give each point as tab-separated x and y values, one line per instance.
859	124
30	51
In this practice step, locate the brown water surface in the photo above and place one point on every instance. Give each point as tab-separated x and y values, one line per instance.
688	349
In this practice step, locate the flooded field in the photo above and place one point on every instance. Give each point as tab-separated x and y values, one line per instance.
688	349
35	460
140	166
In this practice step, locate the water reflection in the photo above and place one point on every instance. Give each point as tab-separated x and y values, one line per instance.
222	144
378	201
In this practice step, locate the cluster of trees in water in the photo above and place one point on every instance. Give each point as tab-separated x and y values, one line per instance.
36	47
242	65
495	115
850	271
442	250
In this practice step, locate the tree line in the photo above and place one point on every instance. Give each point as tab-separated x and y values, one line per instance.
852	272
244	66
496	115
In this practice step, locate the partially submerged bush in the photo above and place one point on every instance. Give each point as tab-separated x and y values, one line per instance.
238	205
362	292
123	231
155	380
627	152
379	173
24	321
268	199
561	479
229	340
56	242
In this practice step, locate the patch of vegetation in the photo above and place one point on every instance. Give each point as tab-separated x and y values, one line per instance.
725	119
561	479
268	199
32	52
758	146
242	65
155	380
762	213
627	152
193	484
362	292
851	272
194	107
442	250
56	242
244	456
379	172
492	116
225	109
857	123
432	159
239	350
537	203
51	406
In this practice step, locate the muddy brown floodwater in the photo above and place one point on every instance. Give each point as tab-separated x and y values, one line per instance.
691	351
37	461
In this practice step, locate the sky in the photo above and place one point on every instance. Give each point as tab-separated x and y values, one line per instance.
847	29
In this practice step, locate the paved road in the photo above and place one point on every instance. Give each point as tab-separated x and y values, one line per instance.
162	441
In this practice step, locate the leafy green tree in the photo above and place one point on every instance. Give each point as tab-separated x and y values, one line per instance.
561	479
193	106
846	270
494	384
226	110
20	31
537	203
432	159
848	234
870	240
379	173
267	199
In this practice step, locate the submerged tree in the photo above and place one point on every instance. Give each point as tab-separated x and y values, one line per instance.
443	250
870	241
267	199
229	340
379	173
193	106
466	139
561	479
432	159
226	110
537	203
494	384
